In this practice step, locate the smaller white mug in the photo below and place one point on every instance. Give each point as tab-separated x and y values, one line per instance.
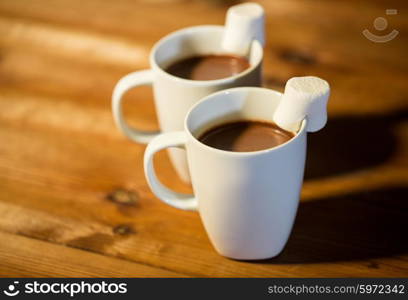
246	200
174	96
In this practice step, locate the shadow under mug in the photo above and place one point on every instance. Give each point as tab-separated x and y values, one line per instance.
174	96
247	200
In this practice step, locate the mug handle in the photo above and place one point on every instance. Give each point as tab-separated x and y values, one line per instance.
165	140
130	81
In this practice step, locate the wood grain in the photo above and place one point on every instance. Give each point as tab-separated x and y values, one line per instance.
25	257
72	189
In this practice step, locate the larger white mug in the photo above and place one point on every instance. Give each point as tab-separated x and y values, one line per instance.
174	96
246	200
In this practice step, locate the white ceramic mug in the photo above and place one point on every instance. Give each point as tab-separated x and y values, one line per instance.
174	96
246	200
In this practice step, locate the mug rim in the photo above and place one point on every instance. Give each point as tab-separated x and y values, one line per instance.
266	151
155	66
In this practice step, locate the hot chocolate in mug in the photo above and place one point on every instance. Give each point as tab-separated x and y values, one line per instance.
247	200
174	96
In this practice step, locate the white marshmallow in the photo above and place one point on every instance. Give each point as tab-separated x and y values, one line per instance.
304	97
244	23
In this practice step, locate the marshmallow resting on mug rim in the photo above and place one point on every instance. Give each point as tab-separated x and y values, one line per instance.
304	97
244	23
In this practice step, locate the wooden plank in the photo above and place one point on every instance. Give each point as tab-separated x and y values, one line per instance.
320	52
170	245
75	211
25	257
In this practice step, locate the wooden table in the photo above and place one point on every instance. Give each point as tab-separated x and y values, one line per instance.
73	197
